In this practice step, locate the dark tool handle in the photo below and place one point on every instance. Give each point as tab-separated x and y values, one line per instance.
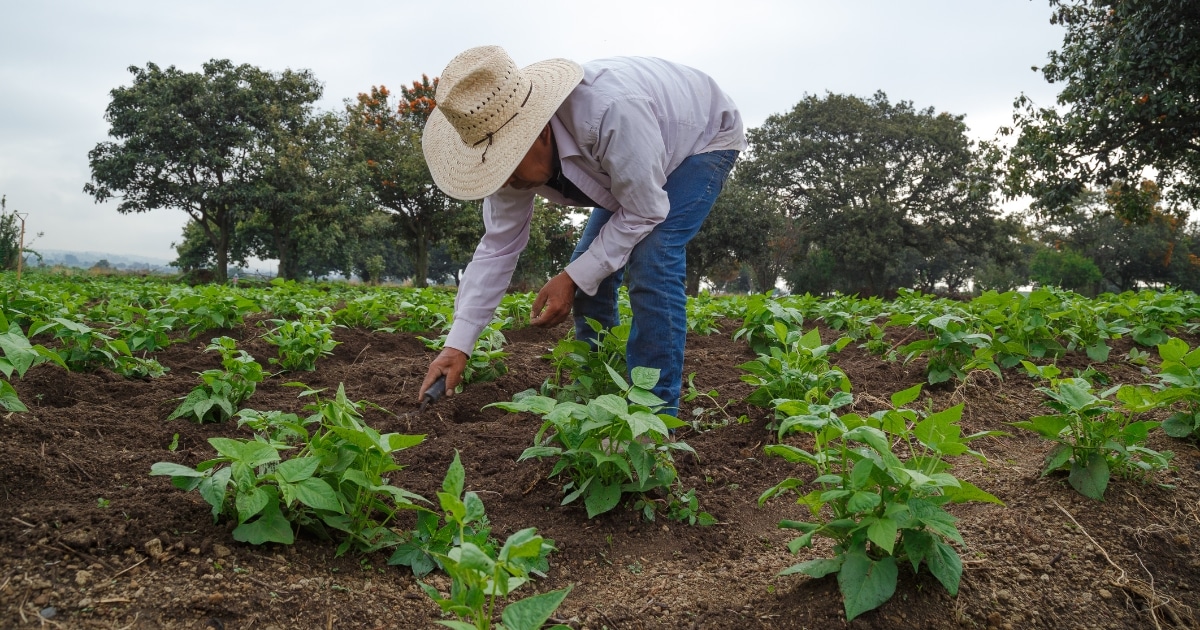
434	392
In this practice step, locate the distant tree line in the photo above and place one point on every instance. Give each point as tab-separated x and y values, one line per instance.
841	193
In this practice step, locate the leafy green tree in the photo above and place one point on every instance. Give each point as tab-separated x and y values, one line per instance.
1130	73
302	208
385	143
10	237
197	142
745	227
552	239
1154	250
1065	268
873	189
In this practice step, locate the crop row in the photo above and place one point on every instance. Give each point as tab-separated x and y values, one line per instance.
881	484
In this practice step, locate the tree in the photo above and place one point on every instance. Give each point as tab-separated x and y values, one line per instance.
745	227
386	143
302	202
1066	269
873	190
1130	73
197	142
1127	253
10	236
552	239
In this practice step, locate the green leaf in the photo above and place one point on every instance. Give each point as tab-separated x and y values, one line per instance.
602	498
316	493
174	470
1179	425
1090	478
456	478
945	564
815	568
270	526
472	557
1097	352
1046	426
617	378
532	612
9	399
252	502
967	491
863	501
882	532
644	377
213	489
903	397
1173	350
866	584
861	473
522	544
297	469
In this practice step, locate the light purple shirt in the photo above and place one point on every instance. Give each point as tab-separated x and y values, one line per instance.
627	126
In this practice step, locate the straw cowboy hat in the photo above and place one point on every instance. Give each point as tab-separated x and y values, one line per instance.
488	114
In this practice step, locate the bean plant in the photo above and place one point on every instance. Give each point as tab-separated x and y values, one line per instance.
334	480
883	481
302	341
1094	435
608	446
480	575
221	392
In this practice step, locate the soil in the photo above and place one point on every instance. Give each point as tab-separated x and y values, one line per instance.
89	540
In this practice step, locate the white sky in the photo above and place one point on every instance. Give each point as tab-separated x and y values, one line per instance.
59	60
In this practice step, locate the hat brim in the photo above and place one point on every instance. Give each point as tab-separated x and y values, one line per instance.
463	171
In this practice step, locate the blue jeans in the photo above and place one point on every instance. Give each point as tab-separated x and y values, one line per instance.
656	275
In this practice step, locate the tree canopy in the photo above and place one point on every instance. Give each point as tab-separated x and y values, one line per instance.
873	189
197	142
1130	73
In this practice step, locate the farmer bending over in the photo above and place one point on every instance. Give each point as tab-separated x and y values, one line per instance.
646	143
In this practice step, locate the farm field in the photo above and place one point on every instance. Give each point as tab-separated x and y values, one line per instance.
88	539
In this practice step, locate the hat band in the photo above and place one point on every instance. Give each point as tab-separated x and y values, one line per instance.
488	137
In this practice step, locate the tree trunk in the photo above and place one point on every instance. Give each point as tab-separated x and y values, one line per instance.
692	284
221	273
287	264
421	262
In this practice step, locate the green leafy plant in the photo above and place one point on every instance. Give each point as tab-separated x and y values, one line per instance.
221	392
612	445
711	412
486	362
1094	435
333	482
19	356
480	575
766	321
795	367
883	480
302	341
954	350
1179	374
581	371
147	330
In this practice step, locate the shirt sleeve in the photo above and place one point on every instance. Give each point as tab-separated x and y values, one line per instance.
631	150
506	218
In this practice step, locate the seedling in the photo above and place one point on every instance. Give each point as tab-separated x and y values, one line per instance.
611	445
884	480
221	392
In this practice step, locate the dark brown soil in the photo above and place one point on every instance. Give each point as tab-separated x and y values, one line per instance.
81	522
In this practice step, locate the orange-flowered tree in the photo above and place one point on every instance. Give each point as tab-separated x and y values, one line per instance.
384	137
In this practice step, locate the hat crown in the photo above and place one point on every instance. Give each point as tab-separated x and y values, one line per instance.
480	91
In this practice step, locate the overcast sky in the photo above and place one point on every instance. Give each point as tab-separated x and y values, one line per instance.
59	60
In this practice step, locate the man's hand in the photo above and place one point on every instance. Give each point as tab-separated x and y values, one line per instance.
450	362
553	303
